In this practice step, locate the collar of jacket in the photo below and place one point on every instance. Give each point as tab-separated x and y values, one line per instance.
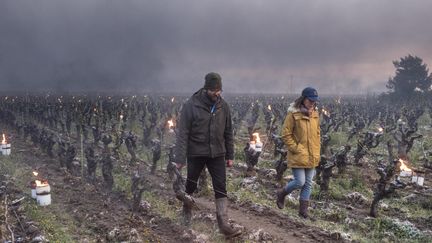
293	110
201	99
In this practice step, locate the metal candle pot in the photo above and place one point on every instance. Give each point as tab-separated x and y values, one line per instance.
418	178
5	147
43	192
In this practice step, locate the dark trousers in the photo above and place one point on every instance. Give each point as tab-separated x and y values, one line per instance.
216	168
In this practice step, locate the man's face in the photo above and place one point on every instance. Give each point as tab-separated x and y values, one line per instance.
214	94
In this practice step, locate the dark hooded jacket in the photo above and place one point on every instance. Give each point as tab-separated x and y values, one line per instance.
203	133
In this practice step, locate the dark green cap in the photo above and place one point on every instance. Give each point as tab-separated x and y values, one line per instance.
213	81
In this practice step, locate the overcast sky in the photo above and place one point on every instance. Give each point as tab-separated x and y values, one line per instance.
280	46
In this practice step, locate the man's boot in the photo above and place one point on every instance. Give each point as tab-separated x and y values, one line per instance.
222	218
280	201
187	214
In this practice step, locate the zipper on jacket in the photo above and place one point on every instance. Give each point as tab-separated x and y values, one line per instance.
308	143
212	110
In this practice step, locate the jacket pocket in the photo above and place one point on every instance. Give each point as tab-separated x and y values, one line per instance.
299	149
201	138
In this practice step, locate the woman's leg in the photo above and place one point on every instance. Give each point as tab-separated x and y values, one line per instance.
305	193
307	187
298	182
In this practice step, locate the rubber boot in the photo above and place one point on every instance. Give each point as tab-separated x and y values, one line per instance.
187	214
303	209
222	219
280	201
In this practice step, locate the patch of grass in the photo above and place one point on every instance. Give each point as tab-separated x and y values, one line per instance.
357	183
417	209
393	230
336	193
239	154
341	186
48	222
241	194
161	206
212	232
123	184
7	164
424	119
338	139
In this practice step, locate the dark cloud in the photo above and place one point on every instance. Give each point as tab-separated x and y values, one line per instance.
257	46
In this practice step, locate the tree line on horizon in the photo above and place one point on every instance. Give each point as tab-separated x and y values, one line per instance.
411	79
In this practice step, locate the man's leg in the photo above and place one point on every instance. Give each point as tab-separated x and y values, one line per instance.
216	168
194	168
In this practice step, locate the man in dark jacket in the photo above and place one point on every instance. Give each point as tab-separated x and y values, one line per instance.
205	138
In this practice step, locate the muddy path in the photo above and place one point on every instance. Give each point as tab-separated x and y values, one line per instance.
258	223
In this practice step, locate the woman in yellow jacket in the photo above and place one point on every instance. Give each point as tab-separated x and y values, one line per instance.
301	135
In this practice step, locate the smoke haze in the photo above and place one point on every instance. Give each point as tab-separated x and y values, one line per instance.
338	46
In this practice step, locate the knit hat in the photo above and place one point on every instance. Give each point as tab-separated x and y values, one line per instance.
213	81
310	93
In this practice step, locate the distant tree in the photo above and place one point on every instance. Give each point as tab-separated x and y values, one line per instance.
412	76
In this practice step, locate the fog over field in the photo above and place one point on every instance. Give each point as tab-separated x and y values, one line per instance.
338	46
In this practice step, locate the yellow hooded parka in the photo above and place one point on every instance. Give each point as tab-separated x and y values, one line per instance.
301	135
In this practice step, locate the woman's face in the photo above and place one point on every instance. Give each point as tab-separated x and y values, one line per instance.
309	104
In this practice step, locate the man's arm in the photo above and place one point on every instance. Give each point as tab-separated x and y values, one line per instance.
229	137
182	135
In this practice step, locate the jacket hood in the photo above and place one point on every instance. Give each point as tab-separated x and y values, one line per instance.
292	109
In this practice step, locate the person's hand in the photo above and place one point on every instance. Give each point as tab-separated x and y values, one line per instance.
180	165
229	162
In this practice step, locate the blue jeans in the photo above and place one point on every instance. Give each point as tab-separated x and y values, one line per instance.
302	179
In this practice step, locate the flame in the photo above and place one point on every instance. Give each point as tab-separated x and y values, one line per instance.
4	139
326	112
380	129
403	166
172	100
170	124
269	107
35	173
121	117
256	137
